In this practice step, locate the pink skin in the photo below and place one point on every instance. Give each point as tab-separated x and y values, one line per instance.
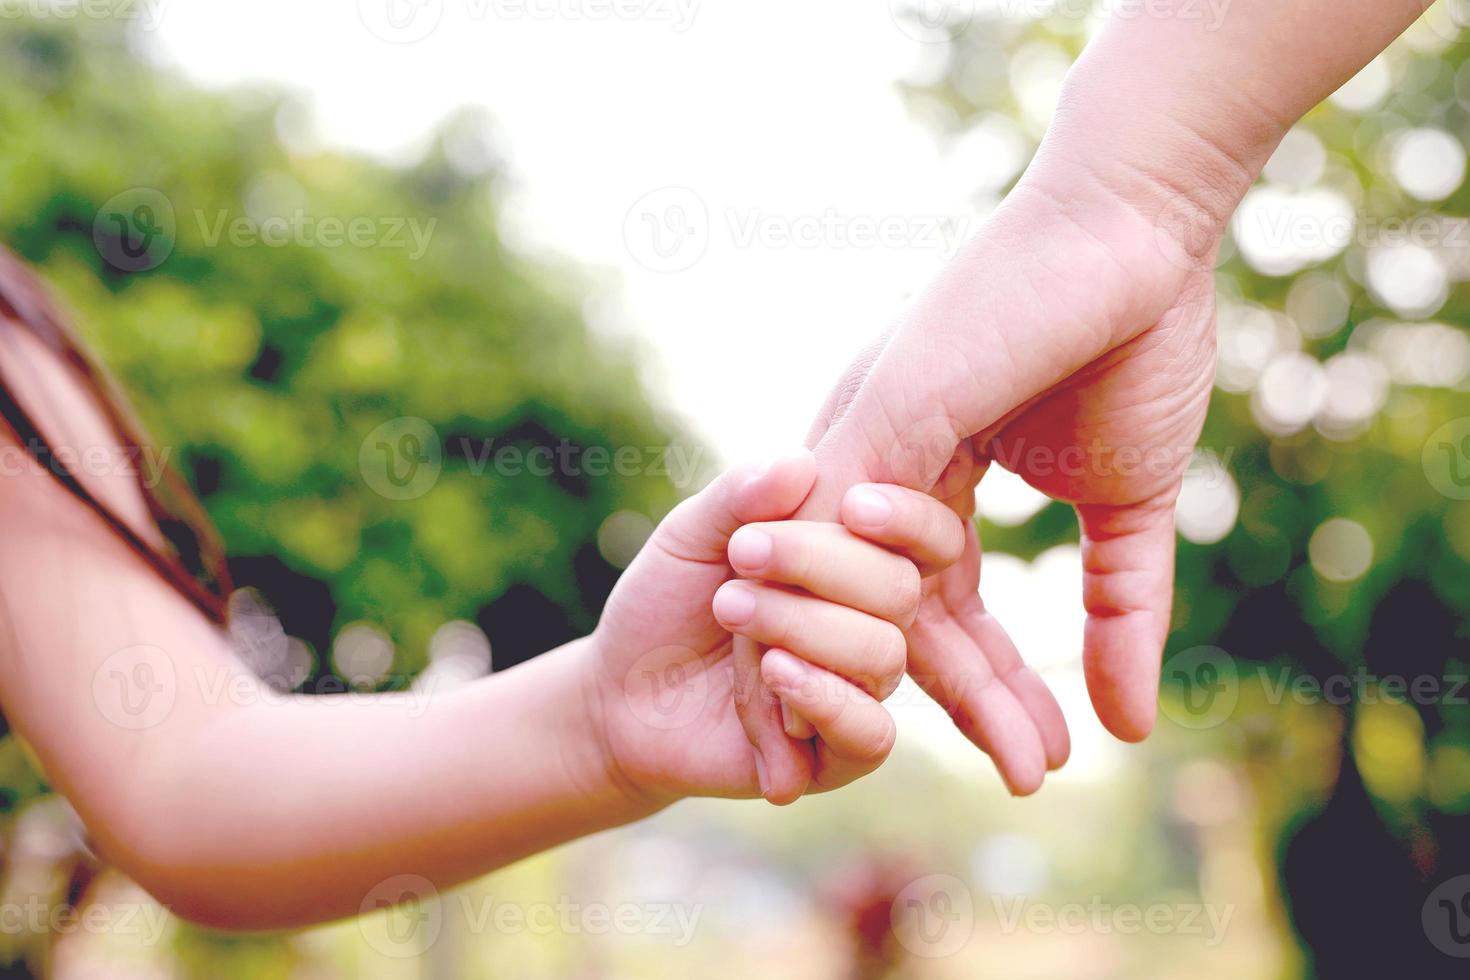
677	615
1073	341
1079	319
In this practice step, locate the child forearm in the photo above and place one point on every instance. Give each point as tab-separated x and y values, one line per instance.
292	810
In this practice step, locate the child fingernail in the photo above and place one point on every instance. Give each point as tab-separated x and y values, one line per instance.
781	670
869	507
734	604
775	462
761	775
750	548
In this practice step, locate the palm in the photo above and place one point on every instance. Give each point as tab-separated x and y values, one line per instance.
1119	432
669	704
1081	359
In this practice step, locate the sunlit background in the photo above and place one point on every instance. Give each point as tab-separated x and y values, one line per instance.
669	224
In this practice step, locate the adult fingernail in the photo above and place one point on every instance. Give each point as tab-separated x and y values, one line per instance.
868	507
750	548
788	719
734	604
761	775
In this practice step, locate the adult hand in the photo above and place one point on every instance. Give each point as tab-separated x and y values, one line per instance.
1071	343
673	660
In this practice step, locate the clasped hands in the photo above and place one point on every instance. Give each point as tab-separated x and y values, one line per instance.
747	649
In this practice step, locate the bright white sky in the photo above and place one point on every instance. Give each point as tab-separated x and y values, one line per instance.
769	114
782	111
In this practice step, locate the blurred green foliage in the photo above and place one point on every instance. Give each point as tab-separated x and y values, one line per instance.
262	363
263	368
1309	268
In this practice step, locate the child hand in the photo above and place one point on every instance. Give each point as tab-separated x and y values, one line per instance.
669	676
796	561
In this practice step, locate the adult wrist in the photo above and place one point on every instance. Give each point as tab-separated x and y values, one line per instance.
1184	169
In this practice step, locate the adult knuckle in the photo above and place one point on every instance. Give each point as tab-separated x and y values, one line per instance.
877	743
949	537
888	654
906	591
